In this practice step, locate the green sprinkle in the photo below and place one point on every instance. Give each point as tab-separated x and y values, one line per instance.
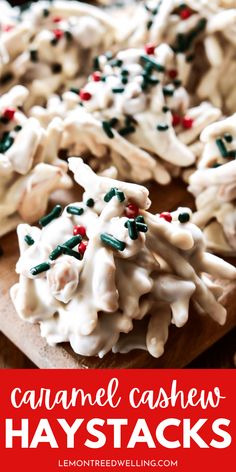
124	80
162	127
6	143
130	119
144	84
141	227
140	219
114	121
114	192
149	24
54	41
228	137
55	253
133	233
216	165
45	12
90	202
168	91
127	130
221	146
38	269
118	90
72	242
75	90
116	63
165	109
113	242
124	72
148	68
29	240
182	43
107	128
154	64
201	24
183	217
55	213
33	55
69	252
120	195
109	195
18	128
68	35
96	64
153	80
177	83
72	210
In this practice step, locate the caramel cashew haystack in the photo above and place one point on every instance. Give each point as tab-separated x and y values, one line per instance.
133	114
107	274
29	167
203	35
50	44
214	188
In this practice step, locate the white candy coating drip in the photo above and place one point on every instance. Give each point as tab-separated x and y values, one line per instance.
214	187
29	169
116	299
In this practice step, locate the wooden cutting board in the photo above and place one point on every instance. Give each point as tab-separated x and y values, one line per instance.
183	345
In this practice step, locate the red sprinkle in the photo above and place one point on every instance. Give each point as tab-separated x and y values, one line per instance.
58	33
79	230
84	95
150	48
185	13
57	19
175	119
9	113
187	122
172	73
96	76
6	28
167	216
132	210
82	247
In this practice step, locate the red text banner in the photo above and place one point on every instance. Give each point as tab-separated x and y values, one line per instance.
95	420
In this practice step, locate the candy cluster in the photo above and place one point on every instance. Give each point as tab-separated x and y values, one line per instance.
29	166
46	45
107	274
214	186
133	114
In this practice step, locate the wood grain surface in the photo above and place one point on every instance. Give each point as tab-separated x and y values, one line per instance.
183	345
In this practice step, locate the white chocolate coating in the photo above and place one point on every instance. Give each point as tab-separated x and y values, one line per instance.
51	43
214	187
203	33
101	302
29	167
125	92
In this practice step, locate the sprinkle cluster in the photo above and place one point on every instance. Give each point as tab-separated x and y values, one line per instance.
153	73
